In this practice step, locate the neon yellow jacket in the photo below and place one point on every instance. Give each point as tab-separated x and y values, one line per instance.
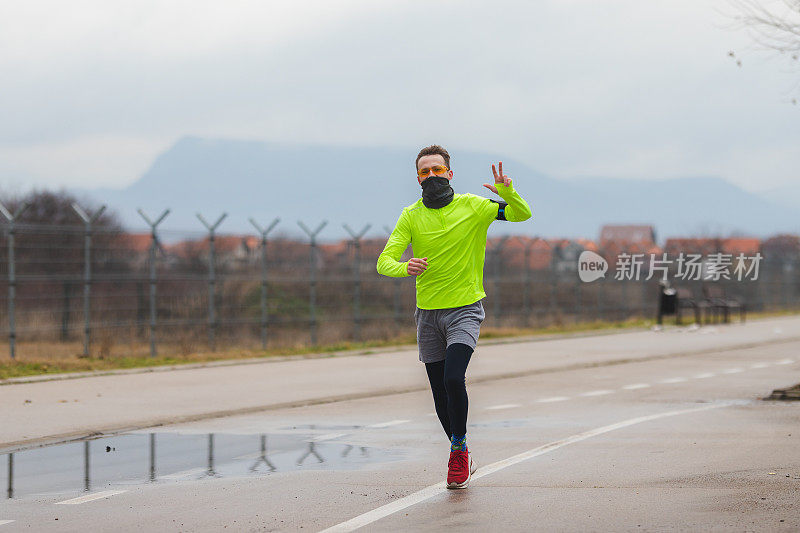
453	238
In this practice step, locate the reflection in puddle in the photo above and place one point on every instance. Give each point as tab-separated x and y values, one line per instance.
136	458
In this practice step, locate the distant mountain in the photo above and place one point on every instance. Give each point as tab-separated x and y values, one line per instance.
787	196
371	185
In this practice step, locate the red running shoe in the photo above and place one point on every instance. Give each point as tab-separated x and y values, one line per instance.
459	469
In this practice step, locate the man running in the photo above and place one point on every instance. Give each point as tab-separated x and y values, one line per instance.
447	232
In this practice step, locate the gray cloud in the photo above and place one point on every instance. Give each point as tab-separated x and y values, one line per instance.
573	88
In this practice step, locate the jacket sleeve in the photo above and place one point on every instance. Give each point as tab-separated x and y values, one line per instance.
389	261
517	209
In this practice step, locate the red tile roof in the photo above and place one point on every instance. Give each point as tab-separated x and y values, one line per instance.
710	245
743	245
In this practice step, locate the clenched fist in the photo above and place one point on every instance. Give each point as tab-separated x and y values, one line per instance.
417	266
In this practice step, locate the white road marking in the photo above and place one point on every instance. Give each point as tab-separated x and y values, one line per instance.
732	371
597	392
4	522
636	386
553	399
759	365
503	406
704	375
184	473
327	436
91	497
387	424
673	380
440	488
784	362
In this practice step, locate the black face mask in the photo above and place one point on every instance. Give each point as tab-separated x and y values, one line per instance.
436	192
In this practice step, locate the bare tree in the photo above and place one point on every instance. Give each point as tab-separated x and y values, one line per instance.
773	25
50	234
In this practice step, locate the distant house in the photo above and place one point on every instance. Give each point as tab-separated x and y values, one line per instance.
230	250
588	244
234	249
692	245
136	246
640	235
741	245
541	254
616	240
564	253
565	256
712	245
515	251
560	255
707	247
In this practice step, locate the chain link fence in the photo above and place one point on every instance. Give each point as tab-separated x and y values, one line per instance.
80	290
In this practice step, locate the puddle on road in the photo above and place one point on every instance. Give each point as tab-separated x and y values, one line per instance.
137	458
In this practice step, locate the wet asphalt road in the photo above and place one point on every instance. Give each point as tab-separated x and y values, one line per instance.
672	444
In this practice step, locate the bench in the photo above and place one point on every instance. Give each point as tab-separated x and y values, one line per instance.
719	303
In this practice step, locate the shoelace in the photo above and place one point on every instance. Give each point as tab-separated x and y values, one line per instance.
457	458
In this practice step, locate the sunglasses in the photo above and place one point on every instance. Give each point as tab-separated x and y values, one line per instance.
438	170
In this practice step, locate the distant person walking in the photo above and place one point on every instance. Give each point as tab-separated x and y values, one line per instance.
447	232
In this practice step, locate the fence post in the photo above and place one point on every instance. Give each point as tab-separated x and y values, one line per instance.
526	289
624	300
496	251
212	279
152	456
88	220
397	288
211	471
10	490
153	245
599	297
12	279
312	293
553	275
264	310
65	308
87	481
357	279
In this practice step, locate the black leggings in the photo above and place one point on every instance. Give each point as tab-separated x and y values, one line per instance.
449	389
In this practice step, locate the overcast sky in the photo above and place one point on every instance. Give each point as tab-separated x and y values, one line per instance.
93	90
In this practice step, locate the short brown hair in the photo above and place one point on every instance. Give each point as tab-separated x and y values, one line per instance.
433	149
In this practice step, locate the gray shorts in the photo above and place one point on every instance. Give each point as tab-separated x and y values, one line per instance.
439	328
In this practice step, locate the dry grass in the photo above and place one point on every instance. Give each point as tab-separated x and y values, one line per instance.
110	351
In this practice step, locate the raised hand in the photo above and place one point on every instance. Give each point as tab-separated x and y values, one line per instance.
417	266
499	177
